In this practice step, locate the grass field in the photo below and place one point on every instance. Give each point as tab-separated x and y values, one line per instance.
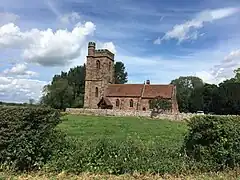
167	133
158	141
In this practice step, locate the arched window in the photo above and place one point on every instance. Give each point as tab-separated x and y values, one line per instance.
117	103
98	64
96	92
144	109
131	103
109	66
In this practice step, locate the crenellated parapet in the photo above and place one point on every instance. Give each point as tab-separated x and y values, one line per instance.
104	52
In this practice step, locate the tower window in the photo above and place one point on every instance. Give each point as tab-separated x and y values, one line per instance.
131	103
96	92
109	66
98	64
117	103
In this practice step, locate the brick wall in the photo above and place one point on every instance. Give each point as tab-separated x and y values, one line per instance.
111	112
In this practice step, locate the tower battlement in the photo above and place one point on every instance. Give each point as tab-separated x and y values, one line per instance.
104	52
92	51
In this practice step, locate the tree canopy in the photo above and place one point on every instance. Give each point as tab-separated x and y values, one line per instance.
194	95
67	89
186	86
120	73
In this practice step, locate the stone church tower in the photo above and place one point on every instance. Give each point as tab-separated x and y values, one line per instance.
99	73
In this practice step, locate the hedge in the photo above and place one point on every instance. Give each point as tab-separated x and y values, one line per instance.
214	141
114	157
27	136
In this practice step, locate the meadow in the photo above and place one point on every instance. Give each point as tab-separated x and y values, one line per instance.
94	147
168	134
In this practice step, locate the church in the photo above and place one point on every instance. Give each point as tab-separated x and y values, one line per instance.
101	92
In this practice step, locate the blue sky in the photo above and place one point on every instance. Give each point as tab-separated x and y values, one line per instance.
158	40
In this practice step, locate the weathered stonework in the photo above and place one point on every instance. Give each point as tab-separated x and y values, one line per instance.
101	92
99	73
122	113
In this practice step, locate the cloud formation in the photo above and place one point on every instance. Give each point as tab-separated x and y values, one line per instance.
223	70
188	30
6	17
46	47
70	18
20	89
19	70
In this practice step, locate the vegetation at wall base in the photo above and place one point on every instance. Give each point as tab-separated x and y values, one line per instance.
214	141
27	136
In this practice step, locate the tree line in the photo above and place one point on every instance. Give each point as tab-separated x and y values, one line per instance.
67	90
195	95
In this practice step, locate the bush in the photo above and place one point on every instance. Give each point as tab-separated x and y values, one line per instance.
214	141
114	157
27	136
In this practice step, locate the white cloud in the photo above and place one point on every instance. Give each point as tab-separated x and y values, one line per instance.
19	70
223	70
70	18
12	37
46	47
6	17
20	89
188	30
110	46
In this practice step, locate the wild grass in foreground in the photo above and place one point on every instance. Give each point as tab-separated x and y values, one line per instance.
119	145
229	175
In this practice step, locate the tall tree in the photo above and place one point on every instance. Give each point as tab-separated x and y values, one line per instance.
68	85
59	94
185	86
209	95
120	74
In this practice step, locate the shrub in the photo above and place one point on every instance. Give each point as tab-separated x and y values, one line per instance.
27	136
115	157
214	141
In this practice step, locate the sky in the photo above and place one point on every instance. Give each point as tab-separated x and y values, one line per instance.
159	40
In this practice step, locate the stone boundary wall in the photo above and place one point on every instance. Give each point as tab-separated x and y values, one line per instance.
120	113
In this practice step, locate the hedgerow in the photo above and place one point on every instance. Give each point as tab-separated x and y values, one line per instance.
114	157
27	136
214	141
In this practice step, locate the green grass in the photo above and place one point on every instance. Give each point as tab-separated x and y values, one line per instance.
84	160
164	132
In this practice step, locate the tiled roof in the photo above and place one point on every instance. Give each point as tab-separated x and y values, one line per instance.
152	91
124	90
135	90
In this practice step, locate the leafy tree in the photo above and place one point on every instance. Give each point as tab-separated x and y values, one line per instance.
209	95
185	86
59	94
196	101
120	73
66	89
237	75
160	104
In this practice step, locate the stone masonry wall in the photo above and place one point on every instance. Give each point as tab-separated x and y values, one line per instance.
97	76
111	112
124	103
